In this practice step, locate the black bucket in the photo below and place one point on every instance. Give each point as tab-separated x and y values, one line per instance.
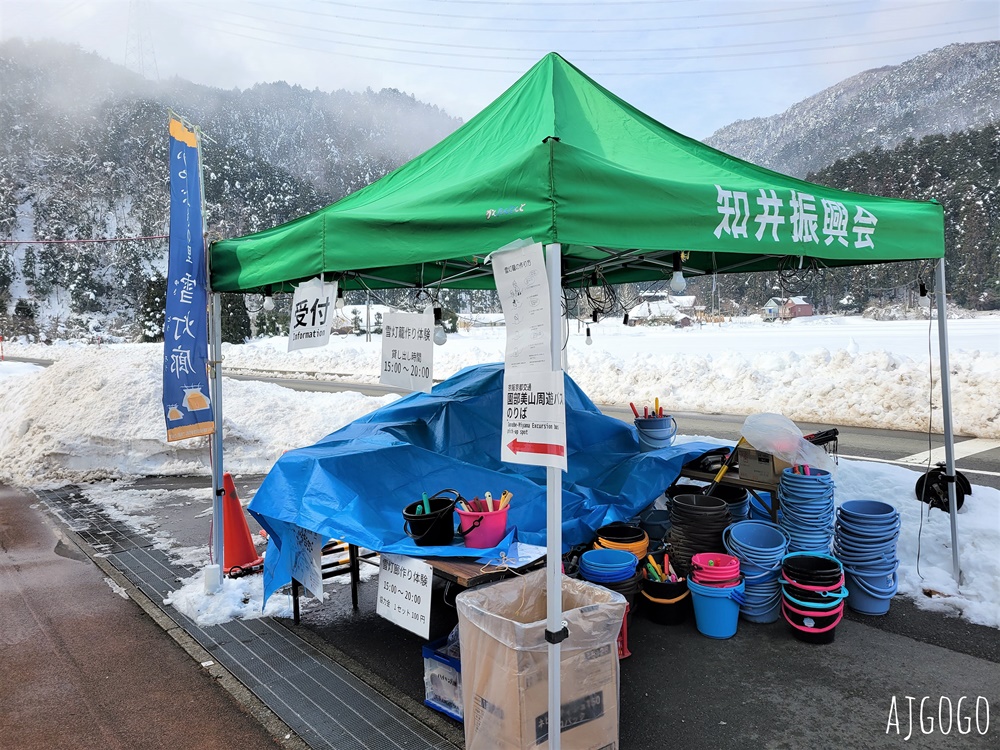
433	529
818	628
696	525
728	493
627	588
812	570
621	533
665	602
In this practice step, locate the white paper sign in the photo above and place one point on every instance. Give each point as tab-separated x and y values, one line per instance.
312	304
408	350
307	561
404	593
534	418
523	287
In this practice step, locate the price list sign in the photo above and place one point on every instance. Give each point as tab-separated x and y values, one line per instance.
404	593
408	350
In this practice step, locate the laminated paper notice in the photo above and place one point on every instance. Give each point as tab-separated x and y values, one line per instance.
404	593
522	285
408	351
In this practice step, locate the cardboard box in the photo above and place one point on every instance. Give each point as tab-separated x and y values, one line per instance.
505	665
442	680
757	466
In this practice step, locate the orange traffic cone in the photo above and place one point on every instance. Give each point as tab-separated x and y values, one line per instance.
238	551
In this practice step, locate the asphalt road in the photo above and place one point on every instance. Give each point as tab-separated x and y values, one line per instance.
978	459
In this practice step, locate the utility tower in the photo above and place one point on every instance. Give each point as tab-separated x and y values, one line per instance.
139	55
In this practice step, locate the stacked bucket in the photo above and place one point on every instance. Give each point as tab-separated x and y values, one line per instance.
717	590
614	569
737	500
865	542
807	509
760	547
812	595
696	525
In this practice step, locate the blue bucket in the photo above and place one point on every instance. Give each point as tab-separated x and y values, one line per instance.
655	432
869	512
867	594
716	610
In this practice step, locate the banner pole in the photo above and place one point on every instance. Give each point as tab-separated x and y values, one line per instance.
218	533
215	388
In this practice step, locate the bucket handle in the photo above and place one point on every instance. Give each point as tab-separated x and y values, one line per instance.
877	593
665	601
440	494
815	605
840	616
475	525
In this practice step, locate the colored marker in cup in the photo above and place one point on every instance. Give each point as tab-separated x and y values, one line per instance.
426	503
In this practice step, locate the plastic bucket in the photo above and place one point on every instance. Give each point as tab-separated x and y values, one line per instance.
655	432
482	530
715	569
716	610
433	529
655	522
665	602
812	569
810	626
865	512
866	596
759	541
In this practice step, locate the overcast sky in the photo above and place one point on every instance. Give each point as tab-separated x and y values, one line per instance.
694	65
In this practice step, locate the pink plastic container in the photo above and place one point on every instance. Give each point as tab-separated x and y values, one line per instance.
715	569
482	530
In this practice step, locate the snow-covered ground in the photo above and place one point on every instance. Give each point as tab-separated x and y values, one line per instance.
96	415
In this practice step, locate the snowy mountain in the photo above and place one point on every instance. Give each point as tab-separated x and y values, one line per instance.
947	90
84	156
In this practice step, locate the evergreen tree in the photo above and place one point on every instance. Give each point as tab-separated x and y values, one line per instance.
152	309
235	319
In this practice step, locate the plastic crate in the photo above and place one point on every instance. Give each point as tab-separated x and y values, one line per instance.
442	680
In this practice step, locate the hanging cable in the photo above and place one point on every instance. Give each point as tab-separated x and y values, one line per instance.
930	417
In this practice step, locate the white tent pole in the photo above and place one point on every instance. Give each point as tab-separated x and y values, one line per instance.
554	632
215	336
949	435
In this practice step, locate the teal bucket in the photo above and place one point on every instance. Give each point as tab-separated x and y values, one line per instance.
716	610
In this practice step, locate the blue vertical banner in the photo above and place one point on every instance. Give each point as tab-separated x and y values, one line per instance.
186	403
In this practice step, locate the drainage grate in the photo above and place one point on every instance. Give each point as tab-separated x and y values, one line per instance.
324	703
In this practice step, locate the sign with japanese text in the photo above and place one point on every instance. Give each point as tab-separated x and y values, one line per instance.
408	350
186	404
523	287
404	593
310	320
307	560
534	418
804	221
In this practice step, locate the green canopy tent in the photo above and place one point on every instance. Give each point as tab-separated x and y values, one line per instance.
612	194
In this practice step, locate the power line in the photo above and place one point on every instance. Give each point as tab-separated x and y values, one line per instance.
469	68
710	19
712	54
81	242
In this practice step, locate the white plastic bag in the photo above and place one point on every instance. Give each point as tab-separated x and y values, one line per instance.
777	434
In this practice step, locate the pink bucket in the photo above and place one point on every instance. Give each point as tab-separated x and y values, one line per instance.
482	530
715	569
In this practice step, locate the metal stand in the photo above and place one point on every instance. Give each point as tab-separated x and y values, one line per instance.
949	436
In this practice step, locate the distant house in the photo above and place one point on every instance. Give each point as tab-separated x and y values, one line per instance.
786	308
657	312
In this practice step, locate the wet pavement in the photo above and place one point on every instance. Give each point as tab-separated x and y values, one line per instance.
83	667
761	688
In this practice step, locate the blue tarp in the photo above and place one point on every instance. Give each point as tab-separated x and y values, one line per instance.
353	484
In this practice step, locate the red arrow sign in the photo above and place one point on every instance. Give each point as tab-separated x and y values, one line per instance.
516	445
